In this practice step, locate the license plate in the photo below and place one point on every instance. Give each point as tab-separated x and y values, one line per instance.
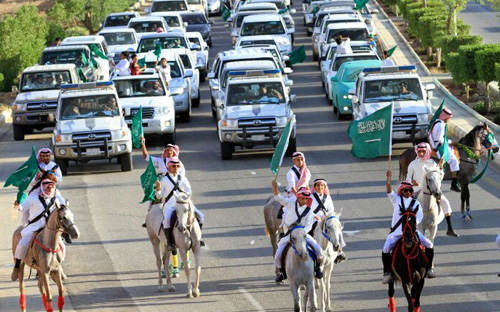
152	123
398	135
93	151
259	137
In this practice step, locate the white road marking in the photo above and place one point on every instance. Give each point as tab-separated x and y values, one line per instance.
350	233
251	299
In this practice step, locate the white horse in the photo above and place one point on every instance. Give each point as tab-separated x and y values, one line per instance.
157	237
327	234
300	270
187	235
431	195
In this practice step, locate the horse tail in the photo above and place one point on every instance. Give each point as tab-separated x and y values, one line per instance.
267	231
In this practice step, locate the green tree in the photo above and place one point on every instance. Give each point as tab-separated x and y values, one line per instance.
485	60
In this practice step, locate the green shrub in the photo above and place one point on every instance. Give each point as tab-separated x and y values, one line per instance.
467	71
410	5
56	30
77	31
452	64
413	17
485	61
1	81
480	107
497	72
430	28
402	6
451	43
462	29
22	43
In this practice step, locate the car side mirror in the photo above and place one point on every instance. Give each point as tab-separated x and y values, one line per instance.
211	22
430	86
199	66
334	79
211	75
289	83
292	11
229	20
352	91
185	24
111	55
195	46
206	48
226	25
293	98
287	70
285	58
323	58
14	89
215	87
188	73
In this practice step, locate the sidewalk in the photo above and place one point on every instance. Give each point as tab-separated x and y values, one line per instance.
464	118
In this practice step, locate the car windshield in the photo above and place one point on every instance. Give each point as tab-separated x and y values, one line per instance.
263	28
89	107
142	27
354	48
167	6
255	93
194	19
78	57
119	38
139	87
195	40
341	60
119	20
186	61
240	18
149	44
329	22
356	34
172	21
194	1
351	76
50	80
392	90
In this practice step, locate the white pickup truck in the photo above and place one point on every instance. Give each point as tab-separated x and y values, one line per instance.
378	87
90	125
36	101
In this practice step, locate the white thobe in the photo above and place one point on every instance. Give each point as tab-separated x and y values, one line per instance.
436	138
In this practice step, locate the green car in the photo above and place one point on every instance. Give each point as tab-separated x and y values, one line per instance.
344	80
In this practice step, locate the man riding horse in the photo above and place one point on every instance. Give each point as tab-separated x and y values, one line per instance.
416	174
402	201
322	206
299	214
36	210
172	182
160	163
437	135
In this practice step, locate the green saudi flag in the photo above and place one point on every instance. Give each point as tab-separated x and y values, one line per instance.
85	61
141	62
226	13
98	52
157	50
391	50
136	128
443	148
281	147
283	11
81	75
22	177
372	136
360	4
148	179
298	55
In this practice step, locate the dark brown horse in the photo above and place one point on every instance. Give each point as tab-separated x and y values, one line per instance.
409	264
476	141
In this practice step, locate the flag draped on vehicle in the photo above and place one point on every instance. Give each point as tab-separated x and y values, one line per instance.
97	52
391	50
226	13
136	129
148	179
443	148
22	177
297	55
372	136
281	147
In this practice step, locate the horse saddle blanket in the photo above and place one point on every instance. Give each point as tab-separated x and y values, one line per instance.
280	213
455	151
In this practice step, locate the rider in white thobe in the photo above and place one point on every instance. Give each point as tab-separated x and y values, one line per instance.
416	175
404	197
290	220
436	139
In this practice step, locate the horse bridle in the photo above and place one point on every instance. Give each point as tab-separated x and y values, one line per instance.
324	232
291	240
60	223
427	182
191	217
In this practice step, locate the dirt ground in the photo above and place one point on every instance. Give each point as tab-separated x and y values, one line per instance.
12	6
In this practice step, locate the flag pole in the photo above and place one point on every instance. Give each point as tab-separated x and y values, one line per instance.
390	137
277	172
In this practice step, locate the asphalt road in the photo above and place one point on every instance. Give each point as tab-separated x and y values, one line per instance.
112	267
484	21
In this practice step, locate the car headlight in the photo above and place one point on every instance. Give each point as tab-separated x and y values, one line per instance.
229	123
423	118
347	96
176	91
19	107
118	134
63	138
281	121
316	38
161	111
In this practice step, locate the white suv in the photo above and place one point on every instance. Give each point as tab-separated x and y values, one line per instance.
267	24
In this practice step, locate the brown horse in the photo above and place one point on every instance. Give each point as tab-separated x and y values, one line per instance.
476	140
45	255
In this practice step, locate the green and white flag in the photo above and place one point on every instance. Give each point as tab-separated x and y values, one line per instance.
297	55
81	75
141	62
148	179
281	147
360	4
372	136
22	177
283	11
98	52
136	129
85	61
157	50
226	13
391	50
443	148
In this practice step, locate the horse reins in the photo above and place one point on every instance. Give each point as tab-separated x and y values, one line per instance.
324	232
415	252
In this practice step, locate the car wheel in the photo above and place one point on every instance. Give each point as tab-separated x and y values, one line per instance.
226	151
196	102
63	165
203	75
315	57
18	132
214	112
309	33
186	116
209	42
126	162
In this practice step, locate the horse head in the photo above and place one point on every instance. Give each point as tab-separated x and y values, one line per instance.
409	226
66	220
480	137
432	183
331	229
298	239
184	211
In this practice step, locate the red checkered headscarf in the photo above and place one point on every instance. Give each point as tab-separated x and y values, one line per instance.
404	185
423	147
304	193
303	171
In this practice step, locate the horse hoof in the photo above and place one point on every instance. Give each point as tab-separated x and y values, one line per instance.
189	295
196	293
161	288
171	288
175	275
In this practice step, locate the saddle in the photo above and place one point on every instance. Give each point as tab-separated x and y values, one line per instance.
283	258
